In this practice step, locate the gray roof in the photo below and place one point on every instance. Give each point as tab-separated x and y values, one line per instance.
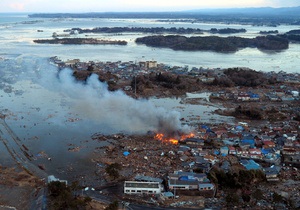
147	179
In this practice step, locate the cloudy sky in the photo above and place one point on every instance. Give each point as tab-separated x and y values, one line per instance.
133	5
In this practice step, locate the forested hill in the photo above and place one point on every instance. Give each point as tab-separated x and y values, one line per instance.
215	43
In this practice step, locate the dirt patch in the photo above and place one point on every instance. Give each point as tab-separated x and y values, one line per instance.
18	188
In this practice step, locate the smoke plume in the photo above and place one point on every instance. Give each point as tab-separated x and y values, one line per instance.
113	110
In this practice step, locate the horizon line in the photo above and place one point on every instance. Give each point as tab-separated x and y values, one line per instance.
166	11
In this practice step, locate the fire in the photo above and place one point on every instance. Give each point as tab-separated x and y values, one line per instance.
159	136
172	140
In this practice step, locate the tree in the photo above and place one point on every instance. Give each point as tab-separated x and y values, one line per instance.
246	197
113	170
61	196
232	199
257	194
277	198
113	206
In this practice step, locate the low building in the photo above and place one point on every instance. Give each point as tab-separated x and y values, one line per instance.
206	186
194	142
250	164
232	150
272	173
224	151
135	187
147	179
183	184
182	175
52	178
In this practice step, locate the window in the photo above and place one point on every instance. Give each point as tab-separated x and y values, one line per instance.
127	191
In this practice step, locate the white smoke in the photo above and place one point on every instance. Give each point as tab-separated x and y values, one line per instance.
114	110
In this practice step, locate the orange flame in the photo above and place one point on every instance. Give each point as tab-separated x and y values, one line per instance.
161	137
186	136
173	141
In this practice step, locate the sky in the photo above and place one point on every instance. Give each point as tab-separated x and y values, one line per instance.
133	5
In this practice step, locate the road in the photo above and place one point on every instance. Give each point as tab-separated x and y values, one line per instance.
13	146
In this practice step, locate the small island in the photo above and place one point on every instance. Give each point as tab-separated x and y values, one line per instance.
215	43
160	30
269	32
79	41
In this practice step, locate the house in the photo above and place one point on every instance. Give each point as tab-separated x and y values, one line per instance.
295	93
202	153
272	173
224	151
181	180
255	153
295	159
220	132
187	165
71	62
194	142
248	141
202	164
245	145
250	164
206	186
241	152
183	175
243	96
253	96
183	149
239	128
290	136
210	158
183	184
183	158
269	144
265	138
232	150
280	141
226	166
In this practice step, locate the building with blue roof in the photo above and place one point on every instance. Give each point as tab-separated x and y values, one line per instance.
250	164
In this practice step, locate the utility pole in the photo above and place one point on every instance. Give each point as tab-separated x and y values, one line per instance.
175	190
135	85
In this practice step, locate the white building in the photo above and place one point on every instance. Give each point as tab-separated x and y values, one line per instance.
52	178
134	187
